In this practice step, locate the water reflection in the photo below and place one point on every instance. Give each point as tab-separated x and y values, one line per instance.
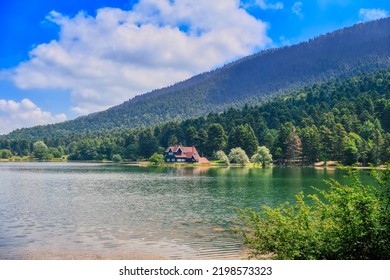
73	210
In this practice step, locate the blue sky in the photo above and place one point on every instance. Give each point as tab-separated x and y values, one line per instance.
63	59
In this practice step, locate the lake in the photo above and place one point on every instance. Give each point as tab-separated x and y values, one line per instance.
115	211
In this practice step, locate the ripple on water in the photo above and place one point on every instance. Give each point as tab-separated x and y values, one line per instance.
108	210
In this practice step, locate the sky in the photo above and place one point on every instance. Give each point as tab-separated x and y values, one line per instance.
66	58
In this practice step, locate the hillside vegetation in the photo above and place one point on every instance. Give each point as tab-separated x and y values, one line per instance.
363	48
345	119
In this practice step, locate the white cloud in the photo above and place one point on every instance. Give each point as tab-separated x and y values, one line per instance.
24	114
107	59
264	5
297	9
372	14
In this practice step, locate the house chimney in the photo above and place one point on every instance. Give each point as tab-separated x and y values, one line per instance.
193	149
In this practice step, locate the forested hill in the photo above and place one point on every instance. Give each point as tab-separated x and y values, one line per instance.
362	48
346	120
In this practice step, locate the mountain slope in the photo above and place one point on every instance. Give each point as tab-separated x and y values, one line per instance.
361	48
346	120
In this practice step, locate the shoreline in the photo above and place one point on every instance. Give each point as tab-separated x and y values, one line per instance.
318	165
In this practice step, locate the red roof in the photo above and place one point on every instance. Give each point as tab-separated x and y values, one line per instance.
187	152
184	149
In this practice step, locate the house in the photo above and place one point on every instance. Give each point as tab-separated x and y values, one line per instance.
179	154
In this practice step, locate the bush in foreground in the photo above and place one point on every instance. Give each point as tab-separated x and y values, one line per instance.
348	222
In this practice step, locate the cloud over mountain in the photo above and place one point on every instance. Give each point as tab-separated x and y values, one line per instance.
106	59
372	14
25	113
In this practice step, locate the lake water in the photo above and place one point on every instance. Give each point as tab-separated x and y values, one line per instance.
85	210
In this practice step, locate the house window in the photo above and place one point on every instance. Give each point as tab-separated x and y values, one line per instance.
170	153
173	159
168	159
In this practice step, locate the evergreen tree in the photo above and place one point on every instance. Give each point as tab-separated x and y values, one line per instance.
243	136
191	136
339	141
147	144
326	139
201	140
310	144
173	141
217	139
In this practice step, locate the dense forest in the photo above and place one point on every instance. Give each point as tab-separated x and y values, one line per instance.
362	48
347	120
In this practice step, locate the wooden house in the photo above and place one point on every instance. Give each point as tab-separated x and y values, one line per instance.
179	154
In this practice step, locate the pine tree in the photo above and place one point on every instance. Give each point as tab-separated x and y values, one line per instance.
191	136
310	144
244	137
217	139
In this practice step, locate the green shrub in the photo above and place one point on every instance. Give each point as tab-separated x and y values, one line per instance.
116	158
222	157
262	156
156	158
5	154
347	222
238	155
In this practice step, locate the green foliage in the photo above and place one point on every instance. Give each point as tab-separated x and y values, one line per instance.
311	145
116	158
56	152
238	155
216	139
87	149
243	136
156	158
5	154
147	143
132	152
222	157
40	150
342	121
263	156
191	136
348	222
352	148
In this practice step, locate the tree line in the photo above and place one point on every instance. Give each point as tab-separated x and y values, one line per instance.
347	120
